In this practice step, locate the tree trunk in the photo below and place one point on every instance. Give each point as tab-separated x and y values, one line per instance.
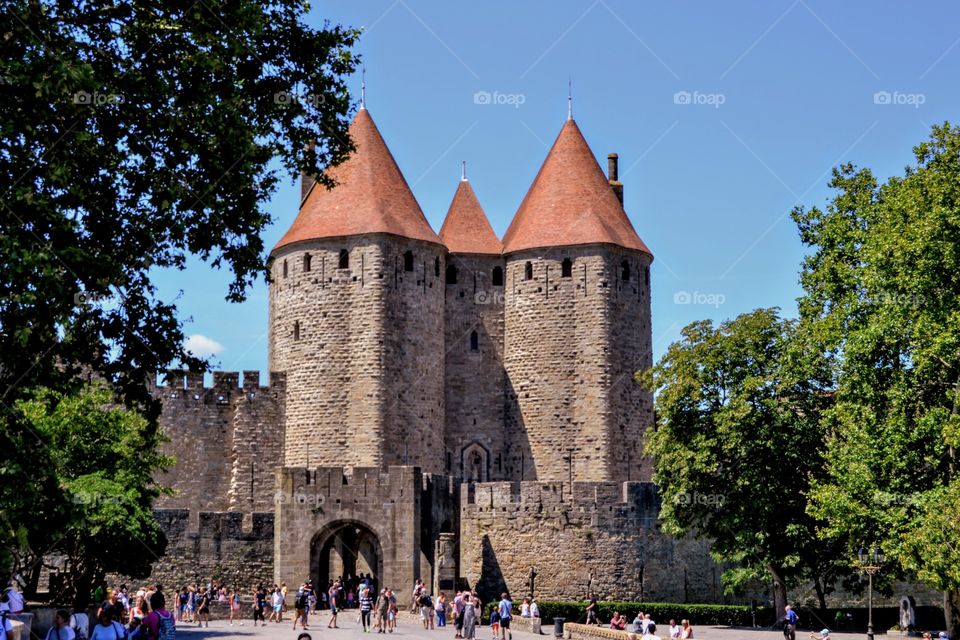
779	592
821	596
951	611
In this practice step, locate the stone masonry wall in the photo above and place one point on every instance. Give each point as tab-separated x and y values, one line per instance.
599	537
221	548
312	504
475	378
227	441
569	364
413	365
359	346
630	351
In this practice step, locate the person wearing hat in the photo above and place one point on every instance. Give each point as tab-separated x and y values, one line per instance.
823	635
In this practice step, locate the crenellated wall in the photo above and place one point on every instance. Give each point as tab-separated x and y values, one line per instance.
221	547
600	537
391	506
227	440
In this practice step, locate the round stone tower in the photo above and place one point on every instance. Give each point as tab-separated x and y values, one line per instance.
356	318
577	325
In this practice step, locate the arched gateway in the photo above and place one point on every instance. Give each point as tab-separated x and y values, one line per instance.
346	548
380	521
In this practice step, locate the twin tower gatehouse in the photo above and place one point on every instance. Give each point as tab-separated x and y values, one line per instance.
451	407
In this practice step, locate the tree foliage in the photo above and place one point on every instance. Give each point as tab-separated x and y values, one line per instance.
97	510
133	136
737	443
882	298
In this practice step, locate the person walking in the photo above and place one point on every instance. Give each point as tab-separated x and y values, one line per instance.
259	604
470	617
235	607
383	609
300	604
506	612
790	619
366	606
441	610
332	596
203	609
276	601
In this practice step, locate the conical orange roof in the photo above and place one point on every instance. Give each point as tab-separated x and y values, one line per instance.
370	196
570	202
466	228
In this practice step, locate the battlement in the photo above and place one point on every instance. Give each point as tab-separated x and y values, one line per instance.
218	525
635	502
340	483
188	384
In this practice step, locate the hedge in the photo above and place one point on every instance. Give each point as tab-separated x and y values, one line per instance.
697	614
850	618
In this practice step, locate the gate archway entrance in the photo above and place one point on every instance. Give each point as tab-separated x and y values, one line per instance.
346	549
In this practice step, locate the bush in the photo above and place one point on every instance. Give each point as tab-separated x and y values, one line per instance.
697	614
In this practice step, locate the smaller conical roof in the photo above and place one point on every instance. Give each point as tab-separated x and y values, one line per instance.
370	195
466	228
570	202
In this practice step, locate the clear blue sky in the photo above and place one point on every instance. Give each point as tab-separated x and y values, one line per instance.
779	92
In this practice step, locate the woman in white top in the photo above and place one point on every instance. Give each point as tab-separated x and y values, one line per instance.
107	628
80	624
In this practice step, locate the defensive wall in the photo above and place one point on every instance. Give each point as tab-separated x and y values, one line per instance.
589	536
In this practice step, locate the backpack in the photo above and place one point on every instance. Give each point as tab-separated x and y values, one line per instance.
301	602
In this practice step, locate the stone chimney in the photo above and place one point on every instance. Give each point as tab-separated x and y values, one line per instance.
306	181
613	177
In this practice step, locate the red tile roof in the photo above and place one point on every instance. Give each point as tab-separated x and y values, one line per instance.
371	196
570	202
466	228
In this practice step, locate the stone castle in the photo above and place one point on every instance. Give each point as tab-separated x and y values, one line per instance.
449	407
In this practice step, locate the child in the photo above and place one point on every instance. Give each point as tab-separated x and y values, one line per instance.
495	623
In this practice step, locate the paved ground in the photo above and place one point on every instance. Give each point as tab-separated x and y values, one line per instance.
408	628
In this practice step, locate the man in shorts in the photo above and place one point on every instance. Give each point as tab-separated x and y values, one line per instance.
506	612
333	595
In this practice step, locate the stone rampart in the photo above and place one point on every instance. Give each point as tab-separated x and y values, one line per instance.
221	547
601	537
227	439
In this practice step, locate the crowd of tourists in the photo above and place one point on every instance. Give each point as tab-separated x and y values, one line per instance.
119	617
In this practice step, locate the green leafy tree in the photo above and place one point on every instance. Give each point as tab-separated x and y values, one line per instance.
135	136
102	458
882	297
737	443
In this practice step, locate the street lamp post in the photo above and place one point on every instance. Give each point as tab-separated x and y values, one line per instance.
870	563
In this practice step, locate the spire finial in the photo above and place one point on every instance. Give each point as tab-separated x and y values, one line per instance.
569	99
463	171
363	87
